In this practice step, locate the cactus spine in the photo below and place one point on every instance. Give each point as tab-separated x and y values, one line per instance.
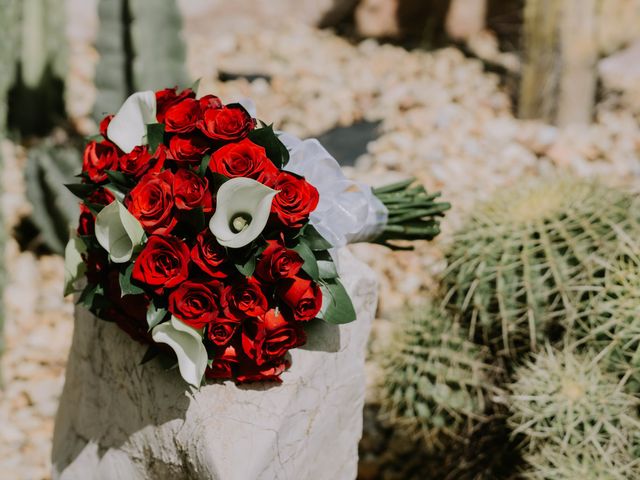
435	383
524	265
133	55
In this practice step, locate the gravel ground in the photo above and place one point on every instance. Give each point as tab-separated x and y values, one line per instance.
443	120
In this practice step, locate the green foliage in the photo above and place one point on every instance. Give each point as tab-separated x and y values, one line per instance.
527	262
140	48
55	209
435	383
568	399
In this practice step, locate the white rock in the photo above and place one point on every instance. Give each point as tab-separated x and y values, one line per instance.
118	419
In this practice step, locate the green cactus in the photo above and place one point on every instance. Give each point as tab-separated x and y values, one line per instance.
435	383
527	261
133	55
569	400
552	462
612	324
55	209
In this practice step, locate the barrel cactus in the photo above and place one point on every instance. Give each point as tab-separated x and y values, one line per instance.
612	325
527	261
585	463
55	209
132	54
435	382
569	400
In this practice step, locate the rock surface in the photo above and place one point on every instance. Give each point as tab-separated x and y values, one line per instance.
119	419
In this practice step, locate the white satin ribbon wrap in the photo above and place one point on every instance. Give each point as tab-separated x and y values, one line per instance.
348	211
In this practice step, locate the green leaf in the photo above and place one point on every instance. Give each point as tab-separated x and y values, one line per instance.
314	239
152	352
195	85
89	295
204	165
336	304
94	138
155	136
155	315
327	269
126	287
310	265
120	180
247	267
81	190
275	149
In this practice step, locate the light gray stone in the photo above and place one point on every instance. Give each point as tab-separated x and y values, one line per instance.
119	419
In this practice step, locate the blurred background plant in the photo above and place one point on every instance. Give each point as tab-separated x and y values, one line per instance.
533	281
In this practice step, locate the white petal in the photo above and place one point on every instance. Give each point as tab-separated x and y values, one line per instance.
187	343
128	128
118	231
241	196
74	266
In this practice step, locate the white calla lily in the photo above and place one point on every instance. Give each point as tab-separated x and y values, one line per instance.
186	342
128	128
118	231
74	266
242	210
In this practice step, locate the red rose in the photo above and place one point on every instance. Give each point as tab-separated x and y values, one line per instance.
167	98
188	149
182	117
98	158
209	101
270	337
162	263
223	363
151	202
97	262
244	159
295	200
302	296
139	161
194	303
104	125
222	330
101	196
277	262
247	371
86	222
229	123
246	299
191	191
209	255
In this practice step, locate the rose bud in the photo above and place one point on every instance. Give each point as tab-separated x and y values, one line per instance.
270	337
248	371
302	296
295	200
191	191
139	161
222	330
229	123
246	299
194	303
209	255
183	116
222	364
98	158
277	262
188	149
167	98
86	222
104	124
151	202
162	263
244	159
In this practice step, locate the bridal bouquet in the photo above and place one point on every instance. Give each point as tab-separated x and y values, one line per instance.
209	235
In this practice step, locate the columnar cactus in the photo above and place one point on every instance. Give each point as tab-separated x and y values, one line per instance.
567	400
55	209
133	56
435	383
526	262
